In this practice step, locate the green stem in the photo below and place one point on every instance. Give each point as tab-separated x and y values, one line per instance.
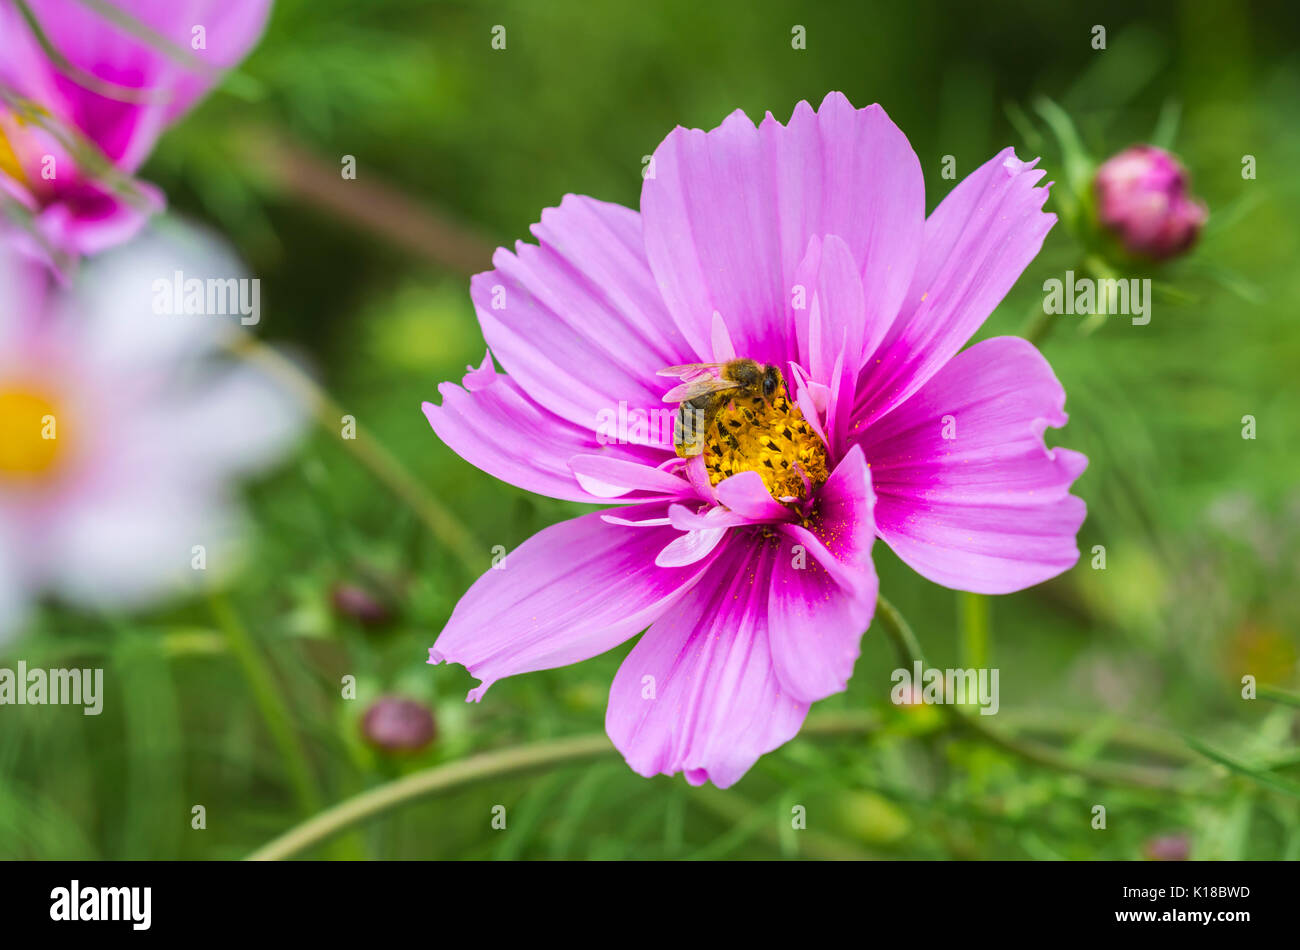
1039	325
520	759
973	610
271	705
909	651
1095	268
419	784
1136	738
525	758
371	453
900	632
1108	773
511	761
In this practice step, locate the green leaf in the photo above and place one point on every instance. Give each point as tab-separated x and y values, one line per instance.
1279	695
1166	129
1259	775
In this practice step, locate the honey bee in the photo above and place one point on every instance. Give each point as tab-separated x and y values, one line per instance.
705	388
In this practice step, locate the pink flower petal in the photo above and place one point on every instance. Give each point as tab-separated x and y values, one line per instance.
87	220
498	429
642	522
834	332
607	477
703	532
823	593
746	495
728	215
684	518
578	322
480	377
690	548
698	693
723	348
126	131
987	510
812	398
977	243
570	592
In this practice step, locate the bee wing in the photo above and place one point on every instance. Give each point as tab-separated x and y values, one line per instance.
689	371
699	387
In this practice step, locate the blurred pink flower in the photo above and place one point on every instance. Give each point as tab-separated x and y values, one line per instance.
74	212
1142	198
120	433
805	246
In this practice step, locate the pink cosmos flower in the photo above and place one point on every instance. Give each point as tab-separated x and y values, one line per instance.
121	431
118	91
1142	197
804	246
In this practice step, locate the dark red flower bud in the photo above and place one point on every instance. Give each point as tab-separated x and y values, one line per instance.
360	605
397	724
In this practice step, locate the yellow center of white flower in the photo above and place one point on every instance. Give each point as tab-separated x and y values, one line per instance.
30	445
9	162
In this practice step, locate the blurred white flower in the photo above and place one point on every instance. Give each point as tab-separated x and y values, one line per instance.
122	429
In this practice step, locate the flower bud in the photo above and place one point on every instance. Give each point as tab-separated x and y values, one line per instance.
1174	847
397	724
360	605
1142	199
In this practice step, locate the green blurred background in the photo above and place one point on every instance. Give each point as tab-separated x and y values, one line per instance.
458	148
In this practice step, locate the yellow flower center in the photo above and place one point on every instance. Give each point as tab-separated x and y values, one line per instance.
9	163
769	436
29	433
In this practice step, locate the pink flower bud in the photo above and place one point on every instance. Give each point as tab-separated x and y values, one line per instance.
1174	847
1142	198
396	724
360	605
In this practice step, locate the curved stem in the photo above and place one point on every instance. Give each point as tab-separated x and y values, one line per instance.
1135	737
417	785
900	631
518	759
510	761
909	651
1110	773
1039	326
